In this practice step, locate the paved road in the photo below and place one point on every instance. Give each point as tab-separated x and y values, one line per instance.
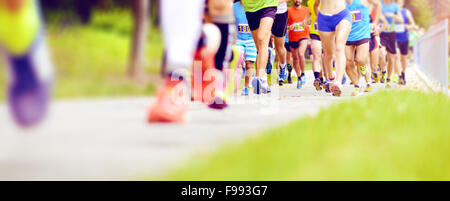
110	140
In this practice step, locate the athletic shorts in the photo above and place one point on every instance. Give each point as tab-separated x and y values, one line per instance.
286	45
280	24
404	47
328	23
358	43
389	40
314	37
295	44
247	47
254	18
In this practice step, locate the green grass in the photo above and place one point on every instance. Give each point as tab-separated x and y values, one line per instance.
392	135
92	60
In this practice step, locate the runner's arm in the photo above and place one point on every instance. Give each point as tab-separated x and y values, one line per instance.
412	23
316	6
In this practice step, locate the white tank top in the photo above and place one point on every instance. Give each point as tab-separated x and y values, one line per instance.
282	8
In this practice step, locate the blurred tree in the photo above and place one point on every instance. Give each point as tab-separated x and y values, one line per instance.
140	13
422	12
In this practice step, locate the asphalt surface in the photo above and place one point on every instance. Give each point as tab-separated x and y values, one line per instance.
109	139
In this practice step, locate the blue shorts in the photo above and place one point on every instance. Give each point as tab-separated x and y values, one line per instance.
248	48
328	23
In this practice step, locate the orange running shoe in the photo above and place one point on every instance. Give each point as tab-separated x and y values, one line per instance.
169	107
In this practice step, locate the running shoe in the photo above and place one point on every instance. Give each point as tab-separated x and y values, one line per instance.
368	88
383	77
30	87
317	84
260	86
402	80
299	84
303	79
327	86
245	91
283	74
219	102
388	84
395	78
375	77
168	107
289	78
363	70
336	89
356	91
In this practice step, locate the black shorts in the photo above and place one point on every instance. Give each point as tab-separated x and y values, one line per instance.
389	40
295	44
314	37
254	18
404	47
280	24
286	45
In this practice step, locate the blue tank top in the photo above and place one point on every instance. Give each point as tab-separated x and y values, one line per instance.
361	21
403	36
243	30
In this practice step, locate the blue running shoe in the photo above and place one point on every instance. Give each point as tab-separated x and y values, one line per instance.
283	74
245	91
344	80
299	84
303	79
31	86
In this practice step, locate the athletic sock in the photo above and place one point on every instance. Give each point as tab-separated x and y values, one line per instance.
316	75
321	79
357	86
300	78
303	74
403	75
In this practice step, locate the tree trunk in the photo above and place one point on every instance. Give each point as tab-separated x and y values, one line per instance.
139	40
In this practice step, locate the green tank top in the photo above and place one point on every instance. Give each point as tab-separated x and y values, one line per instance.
255	5
18	29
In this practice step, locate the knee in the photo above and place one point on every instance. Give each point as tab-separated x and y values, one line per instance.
261	39
361	60
340	49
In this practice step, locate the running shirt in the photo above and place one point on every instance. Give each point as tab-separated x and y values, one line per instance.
314	28
243	30
360	21
255	5
403	36
297	17
392	8
282	8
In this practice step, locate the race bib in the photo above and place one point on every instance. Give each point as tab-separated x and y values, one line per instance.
243	28
298	26
356	15
400	28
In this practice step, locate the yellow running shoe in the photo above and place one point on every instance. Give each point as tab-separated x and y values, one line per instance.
368	88
356	91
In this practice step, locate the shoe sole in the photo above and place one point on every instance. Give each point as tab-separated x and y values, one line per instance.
336	91
317	85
